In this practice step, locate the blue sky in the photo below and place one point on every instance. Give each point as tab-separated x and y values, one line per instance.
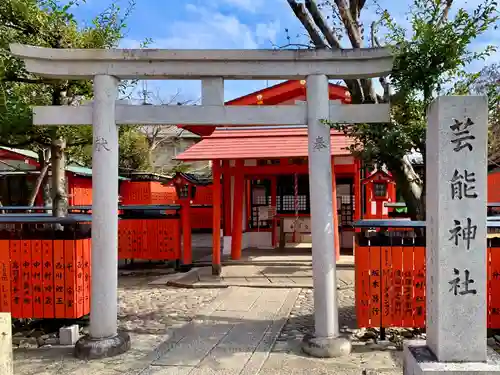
231	24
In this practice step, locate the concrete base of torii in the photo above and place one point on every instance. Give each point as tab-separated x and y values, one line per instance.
321	347
88	348
419	360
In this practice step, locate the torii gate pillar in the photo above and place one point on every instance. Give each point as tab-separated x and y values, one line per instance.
326	341
104	340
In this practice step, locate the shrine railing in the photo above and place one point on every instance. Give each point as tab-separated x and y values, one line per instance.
45	266
150	232
147	232
390	273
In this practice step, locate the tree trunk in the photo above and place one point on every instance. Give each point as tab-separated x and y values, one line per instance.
44	160
58	161
47	198
411	187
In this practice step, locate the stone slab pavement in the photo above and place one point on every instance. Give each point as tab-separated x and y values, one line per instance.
232	336
278	275
230	331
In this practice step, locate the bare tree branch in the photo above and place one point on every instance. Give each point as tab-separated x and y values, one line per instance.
446	12
355	7
319	20
303	16
350	24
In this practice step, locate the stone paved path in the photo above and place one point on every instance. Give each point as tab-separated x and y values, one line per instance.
231	331
232	336
253	275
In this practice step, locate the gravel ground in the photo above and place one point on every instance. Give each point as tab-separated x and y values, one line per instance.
147	309
301	320
148	313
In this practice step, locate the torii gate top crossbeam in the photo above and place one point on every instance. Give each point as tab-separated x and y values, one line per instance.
198	64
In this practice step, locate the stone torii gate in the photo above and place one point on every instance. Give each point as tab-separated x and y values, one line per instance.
107	67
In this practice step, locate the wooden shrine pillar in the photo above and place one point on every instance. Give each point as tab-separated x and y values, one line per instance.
226	194
187	250
216	196
237	230
336	234
358	202
274	208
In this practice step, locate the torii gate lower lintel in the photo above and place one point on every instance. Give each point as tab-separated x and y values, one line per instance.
107	67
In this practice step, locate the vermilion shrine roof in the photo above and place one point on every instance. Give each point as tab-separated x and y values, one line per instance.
259	144
264	142
282	93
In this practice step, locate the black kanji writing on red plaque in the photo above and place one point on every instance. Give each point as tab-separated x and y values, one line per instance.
375	298
496	274
456	284
495	311
467	233
48	301
462	185
59	266
461	135
59	289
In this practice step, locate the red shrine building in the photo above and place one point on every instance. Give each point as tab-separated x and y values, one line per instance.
261	177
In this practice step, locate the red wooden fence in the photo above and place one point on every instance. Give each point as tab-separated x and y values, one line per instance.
45	276
149	239
390	282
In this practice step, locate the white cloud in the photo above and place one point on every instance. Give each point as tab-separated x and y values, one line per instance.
210	29
247	5
266	33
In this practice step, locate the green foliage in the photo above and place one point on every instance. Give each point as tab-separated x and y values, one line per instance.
49	23
488	83
439	47
133	151
430	60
